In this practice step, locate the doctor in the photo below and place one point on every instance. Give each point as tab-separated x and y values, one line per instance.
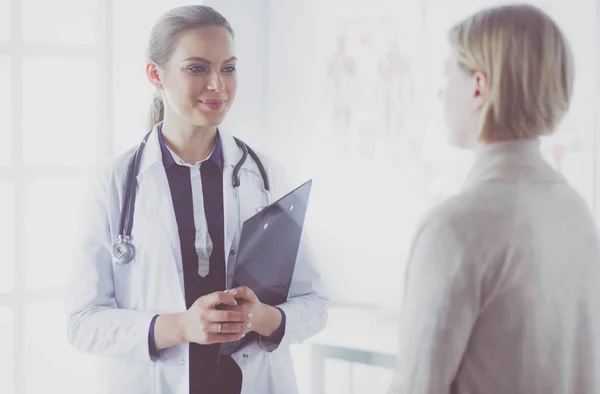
147	278
501	293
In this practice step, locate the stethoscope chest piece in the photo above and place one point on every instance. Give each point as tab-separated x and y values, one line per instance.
123	251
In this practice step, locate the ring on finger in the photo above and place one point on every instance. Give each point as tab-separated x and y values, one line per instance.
219	328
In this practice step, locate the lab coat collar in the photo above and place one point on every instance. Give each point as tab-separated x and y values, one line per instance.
153	177
517	161
231	152
152	154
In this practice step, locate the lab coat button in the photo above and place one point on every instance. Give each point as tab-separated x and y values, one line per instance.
232	252
181	361
245	355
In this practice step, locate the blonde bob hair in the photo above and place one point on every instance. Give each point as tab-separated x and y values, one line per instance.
529	68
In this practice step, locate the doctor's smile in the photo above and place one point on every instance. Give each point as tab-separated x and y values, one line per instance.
213	104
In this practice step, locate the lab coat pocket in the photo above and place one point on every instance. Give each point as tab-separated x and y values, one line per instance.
126	377
256	369
284	378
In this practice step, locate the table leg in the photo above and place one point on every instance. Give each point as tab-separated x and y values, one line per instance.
317	366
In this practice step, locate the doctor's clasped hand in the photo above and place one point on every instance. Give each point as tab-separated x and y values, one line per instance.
204	324
265	318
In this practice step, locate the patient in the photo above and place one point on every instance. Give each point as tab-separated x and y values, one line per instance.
502	291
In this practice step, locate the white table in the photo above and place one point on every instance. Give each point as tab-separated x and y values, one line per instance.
355	335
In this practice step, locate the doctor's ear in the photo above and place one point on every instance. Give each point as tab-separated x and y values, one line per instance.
153	74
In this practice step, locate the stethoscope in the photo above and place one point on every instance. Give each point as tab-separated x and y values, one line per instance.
123	251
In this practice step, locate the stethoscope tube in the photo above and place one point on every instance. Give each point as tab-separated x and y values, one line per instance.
236	170
123	251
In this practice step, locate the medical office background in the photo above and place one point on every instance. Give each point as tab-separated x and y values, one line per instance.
340	91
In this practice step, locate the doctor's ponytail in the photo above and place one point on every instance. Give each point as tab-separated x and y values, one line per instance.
164	39
157	111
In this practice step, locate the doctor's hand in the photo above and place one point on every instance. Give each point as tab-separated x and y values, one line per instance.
202	323
265	318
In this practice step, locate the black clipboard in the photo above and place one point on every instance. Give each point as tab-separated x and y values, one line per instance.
269	245
267	252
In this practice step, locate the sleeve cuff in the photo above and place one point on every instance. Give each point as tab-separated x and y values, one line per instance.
154	353
271	343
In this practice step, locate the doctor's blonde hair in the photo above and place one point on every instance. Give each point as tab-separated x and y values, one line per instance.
529	68
164	38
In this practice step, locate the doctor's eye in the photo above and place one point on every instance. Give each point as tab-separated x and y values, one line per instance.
197	69
228	69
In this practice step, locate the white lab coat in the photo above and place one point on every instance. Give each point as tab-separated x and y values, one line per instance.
110	306
502	289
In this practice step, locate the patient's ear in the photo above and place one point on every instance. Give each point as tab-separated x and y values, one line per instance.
481	89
